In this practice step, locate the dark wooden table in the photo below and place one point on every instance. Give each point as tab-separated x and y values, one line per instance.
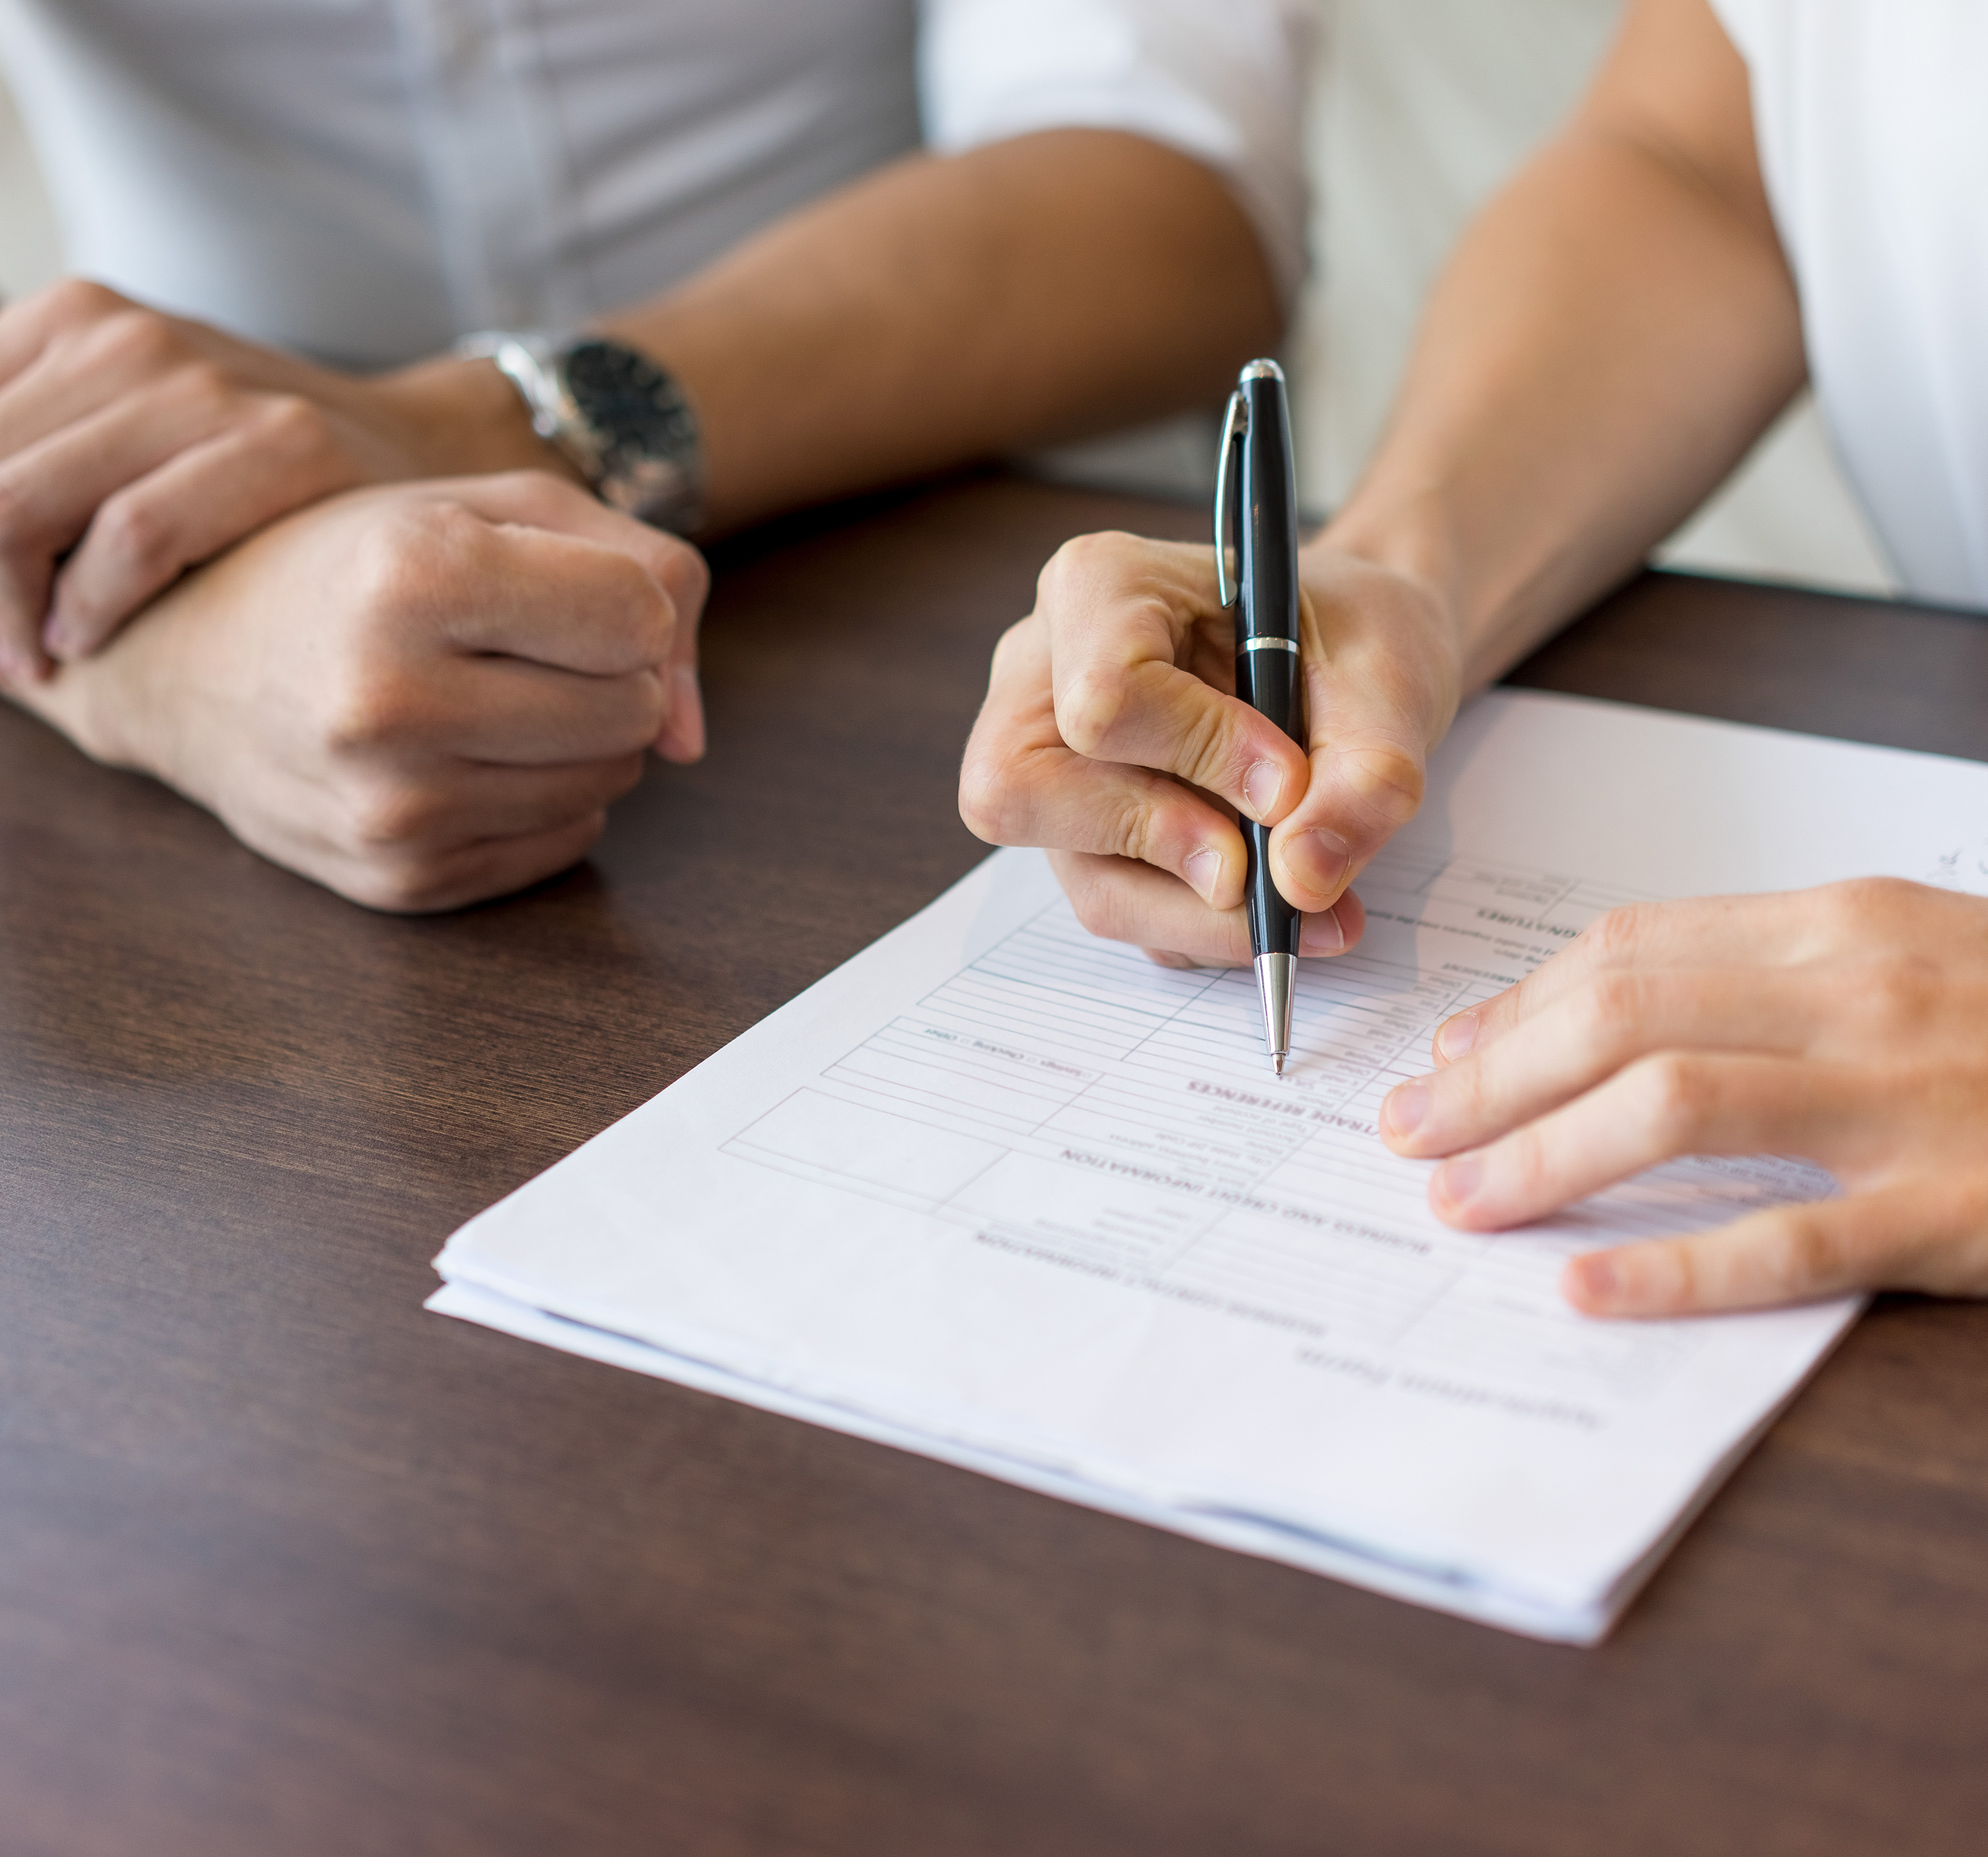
287	1567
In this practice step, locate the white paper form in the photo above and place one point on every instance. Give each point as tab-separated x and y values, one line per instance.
1013	1197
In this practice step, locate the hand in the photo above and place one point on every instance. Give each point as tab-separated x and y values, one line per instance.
1111	733
1843	1026
135	446
419	695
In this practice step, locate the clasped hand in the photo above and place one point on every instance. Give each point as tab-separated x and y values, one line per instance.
135	446
418	695
1843	1026
1112	734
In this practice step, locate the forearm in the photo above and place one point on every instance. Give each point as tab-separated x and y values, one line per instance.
944	308
953	307
1610	338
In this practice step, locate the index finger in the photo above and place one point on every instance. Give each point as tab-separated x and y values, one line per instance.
1705	931
1137	637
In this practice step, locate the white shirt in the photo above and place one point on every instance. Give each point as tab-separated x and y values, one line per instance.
366	180
1873	135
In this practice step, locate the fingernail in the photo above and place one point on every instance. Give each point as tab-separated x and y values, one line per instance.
1456	1036
1203	869
1405	1106
1261	786
57	640
686	721
1319	859
1321	934
1457	1181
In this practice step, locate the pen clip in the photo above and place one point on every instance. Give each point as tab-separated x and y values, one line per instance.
1235	423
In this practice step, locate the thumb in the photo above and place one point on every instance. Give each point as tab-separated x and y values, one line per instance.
1381	683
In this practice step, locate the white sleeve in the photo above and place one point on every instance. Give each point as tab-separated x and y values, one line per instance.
1221	80
1745	21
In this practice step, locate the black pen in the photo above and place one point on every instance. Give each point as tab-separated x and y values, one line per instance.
1256	517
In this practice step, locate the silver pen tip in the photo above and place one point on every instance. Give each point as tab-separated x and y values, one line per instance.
1277	1062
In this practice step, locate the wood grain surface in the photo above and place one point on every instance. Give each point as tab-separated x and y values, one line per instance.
287	1567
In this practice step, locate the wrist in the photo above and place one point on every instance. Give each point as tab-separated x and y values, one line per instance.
461	418
1410	539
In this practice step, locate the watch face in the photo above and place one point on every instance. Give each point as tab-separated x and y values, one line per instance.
632	405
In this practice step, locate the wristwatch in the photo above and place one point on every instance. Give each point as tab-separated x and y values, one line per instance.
622	421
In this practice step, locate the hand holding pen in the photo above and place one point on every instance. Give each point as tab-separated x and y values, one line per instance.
1112	734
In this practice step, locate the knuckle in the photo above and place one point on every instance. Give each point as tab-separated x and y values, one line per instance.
1128	828
1090	572
999	791
1387	779
983	796
296	426
75	300
1674	1092
1613	1001
1018	679
542	496
400	886
1810	1254
1688	1287
399	562
388	815
1616	939
207	384
1850	909
1786	1253
1089	702
1080	559
641	602
140	339
652	699
1096	906
1011	643
1901	991
686	577
365	709
139	535
1213	753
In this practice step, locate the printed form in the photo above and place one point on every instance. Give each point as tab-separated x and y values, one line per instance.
1014	1197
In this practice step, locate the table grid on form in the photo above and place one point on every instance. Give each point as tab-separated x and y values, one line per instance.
1071	1101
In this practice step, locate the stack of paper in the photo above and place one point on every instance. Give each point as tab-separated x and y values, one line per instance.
1014	1197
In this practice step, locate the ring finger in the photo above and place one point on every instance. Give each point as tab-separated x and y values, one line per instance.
1657	1109
1589	1032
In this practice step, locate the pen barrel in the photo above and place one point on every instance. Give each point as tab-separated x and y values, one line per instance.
1273	923
1268	676
1268	682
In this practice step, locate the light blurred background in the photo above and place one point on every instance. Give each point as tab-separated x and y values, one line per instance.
1420	108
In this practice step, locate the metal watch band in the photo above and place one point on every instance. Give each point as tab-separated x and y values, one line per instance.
623	422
